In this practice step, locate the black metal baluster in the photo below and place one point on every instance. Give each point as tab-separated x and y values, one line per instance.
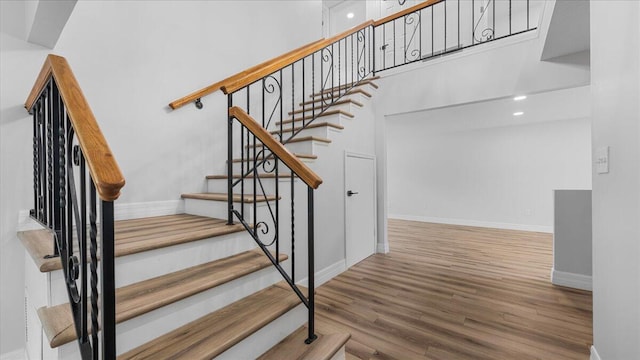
83	242
433	44
404	37
93	249
527	14
394	42
510	17
473	22
108	282
293	234
310	255
493	6
230	160
458	24
444	50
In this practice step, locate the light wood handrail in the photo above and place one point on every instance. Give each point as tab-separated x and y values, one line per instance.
231	79
406	11
103	168
298	167
288	59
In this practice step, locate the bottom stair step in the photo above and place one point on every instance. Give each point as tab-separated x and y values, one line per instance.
220	330
137	299
293	347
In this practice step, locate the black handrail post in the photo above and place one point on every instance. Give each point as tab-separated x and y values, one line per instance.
310	255
108	282
373	51
230	161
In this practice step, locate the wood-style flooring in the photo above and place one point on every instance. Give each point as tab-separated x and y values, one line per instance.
457	292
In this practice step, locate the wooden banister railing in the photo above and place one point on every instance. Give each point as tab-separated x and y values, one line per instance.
103	167
231	79
298	167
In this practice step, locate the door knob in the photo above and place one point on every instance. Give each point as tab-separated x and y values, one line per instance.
351	193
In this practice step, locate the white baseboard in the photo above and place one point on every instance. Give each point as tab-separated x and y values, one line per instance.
19	354
148	209
326	274
594	354
122	212
383	248
465	222
572	280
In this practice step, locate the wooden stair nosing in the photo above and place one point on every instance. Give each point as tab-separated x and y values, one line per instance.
315	109
148	295
135	235
310	117
356	90
218	331
299	156
310	126
341	101
362	83
260	175
293	346
248	198
299	139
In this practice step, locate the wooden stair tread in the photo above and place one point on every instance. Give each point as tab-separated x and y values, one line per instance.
140	298
309	126
299	156
238	176
356	90
293	346
218	331
350	85
298	139
136	235
326	113
304	108
248	198
340	101
312	108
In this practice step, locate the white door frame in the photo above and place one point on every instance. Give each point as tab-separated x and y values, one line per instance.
347	154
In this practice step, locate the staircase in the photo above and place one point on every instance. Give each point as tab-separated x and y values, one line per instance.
224	278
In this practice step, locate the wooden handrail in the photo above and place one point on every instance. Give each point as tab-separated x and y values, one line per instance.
406	11
231	79
298	167
103	168
288	59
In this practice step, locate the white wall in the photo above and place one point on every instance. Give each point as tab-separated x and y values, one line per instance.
458	165
615	83
132	59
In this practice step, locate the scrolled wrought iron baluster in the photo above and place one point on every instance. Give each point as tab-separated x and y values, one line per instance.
410	19
486	34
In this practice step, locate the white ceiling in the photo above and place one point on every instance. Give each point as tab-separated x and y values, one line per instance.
555	105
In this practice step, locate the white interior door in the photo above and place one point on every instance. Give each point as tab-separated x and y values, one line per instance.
360	207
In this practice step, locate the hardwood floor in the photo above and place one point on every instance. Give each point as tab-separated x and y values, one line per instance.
457	292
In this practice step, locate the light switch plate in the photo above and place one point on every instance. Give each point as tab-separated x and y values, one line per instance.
602	160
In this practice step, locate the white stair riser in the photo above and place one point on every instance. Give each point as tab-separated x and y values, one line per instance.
338	119
349	107
220	185
326	132
262	340
218	209
149	326
308	147
146	265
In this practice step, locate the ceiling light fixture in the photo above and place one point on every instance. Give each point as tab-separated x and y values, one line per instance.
518	113
520	97
350	15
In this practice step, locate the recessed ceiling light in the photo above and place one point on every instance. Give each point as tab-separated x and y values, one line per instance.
519	98
350	15
518	113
